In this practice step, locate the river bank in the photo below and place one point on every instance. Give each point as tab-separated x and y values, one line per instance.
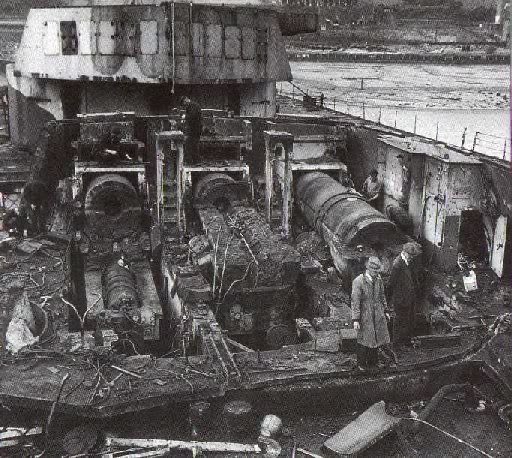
392	57
451	103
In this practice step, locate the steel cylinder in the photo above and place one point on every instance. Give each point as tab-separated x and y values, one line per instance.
220	190
119	288
112	207
341	216
210	183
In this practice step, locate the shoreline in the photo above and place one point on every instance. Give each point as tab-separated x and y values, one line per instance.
400	58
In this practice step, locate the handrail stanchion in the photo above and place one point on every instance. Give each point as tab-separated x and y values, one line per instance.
474	141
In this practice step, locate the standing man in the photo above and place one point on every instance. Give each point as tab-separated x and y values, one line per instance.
193	129
402	293
34	206
372	189
370	314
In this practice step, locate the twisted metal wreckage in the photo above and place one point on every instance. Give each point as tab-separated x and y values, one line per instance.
156	281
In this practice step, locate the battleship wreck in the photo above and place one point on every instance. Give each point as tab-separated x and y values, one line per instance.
154	282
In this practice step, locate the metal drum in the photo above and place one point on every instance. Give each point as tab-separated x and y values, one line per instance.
209	183
220	190
120	290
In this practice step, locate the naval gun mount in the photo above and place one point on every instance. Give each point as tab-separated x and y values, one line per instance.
241	275
112	279
306	184
309	195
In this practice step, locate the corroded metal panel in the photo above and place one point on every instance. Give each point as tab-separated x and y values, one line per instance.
149	37
248	43
213	40
87	37
106	37
198	39
232	42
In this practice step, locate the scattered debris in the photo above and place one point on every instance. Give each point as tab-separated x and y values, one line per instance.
29	246
168	445
80	440
54	406
438	340
308	453
124	371
22	329
469	280
10	437
437	398
271	426
368	428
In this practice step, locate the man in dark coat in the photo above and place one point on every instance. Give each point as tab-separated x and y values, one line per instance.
370	314
403	293
34	206
193	129
112	148
372	189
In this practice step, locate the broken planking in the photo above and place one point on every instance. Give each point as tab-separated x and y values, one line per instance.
368	428
10	437
168	445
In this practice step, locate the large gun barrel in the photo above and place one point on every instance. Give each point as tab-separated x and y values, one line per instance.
112	206
342	216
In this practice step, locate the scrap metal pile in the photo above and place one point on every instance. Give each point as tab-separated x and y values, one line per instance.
246	251
33	277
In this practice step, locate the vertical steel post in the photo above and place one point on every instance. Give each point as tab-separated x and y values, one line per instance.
474	141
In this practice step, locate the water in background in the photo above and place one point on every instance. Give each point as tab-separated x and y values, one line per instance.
460	105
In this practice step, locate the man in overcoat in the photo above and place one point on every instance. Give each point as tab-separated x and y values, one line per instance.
402	293
370	314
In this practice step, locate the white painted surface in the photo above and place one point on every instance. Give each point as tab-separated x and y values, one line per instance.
498	248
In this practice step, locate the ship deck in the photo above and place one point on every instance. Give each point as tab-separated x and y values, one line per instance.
104	385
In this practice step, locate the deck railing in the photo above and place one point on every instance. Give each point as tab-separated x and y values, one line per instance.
406	120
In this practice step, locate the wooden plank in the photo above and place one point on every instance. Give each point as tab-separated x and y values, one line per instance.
13	436
238	345
325	166
217	447
439	340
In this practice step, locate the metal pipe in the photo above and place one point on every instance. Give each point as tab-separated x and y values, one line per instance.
173	47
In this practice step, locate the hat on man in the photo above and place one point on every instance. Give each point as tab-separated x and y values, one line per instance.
411	248
374	262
